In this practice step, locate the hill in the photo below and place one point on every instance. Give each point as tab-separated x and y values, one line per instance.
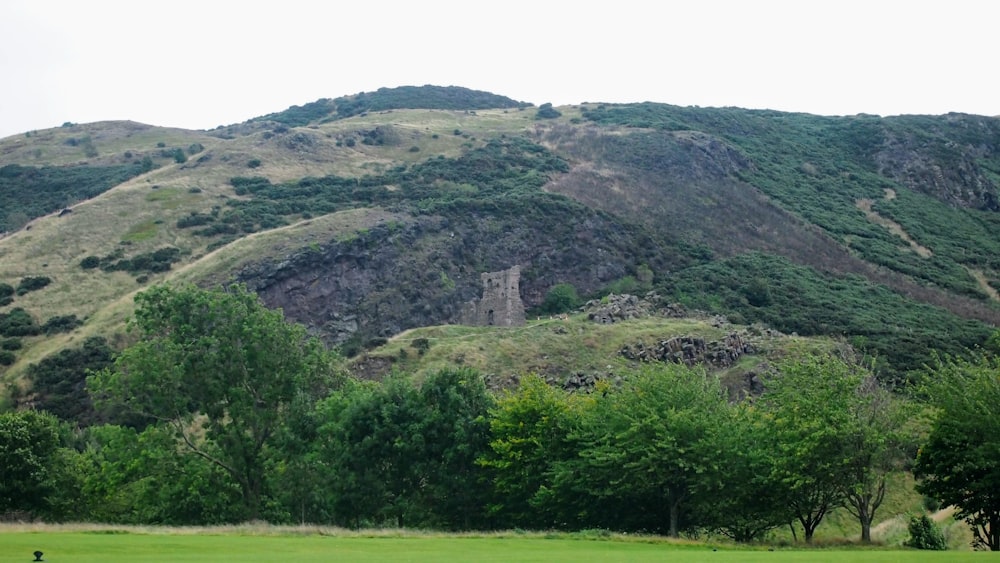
369	215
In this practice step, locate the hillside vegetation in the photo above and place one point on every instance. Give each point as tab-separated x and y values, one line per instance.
381	209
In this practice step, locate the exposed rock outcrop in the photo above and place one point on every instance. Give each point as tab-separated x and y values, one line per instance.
691	350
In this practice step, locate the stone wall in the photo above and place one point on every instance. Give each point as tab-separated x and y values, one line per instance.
501	302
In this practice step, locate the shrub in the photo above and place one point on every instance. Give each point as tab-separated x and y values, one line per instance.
924	534
32	283
422	345
546	111
11	344
6	300
18	323
253	163
6	358
560	299
61	323
6	290
90	262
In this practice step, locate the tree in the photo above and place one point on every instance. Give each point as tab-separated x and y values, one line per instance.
29	441
408	454
807	404
529	430
221	370
648	446
561	298
876	447
740	497
957	464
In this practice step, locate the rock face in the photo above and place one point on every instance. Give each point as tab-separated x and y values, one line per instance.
422	271
690	350
937	163
501	302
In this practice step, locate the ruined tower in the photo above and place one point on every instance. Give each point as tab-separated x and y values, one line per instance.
501	302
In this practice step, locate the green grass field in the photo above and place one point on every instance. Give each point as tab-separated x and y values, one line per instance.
164	544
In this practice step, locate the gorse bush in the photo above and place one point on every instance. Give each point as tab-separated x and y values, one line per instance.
925	534
32	283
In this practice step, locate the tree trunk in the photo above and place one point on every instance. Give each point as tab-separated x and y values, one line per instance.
674	517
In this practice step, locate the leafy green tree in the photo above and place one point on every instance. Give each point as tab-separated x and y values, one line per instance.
221	370
740	496
29	441
408	454
808	410
529	430
957	465
561	298
132	477
648	446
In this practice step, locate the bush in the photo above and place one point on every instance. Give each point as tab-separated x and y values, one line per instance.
546	111
6	290
11	344
32	283
90	262
560	299
6	358
62	323
253	163
924	534
18	322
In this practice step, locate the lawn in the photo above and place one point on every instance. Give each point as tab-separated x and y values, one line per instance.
162	544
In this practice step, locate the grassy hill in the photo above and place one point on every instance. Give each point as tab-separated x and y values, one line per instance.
369	215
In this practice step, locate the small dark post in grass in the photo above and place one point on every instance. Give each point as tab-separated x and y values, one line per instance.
38	556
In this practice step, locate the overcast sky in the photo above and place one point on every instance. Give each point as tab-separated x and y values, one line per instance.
199	64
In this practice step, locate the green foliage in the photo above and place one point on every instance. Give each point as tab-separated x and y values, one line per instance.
406	455
546	111
28	444
925	534
90	262
32	283
901	334
297	116
529	435
222	355
253	163
507	175
18	322
6	290
957	463
58	381
11	344
560	299
421	97
28	192
60	323
647	448
819	168
7	358
159	260
132	477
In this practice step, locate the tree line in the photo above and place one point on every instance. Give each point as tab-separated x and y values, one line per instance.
234	414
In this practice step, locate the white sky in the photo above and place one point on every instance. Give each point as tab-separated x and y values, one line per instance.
198	64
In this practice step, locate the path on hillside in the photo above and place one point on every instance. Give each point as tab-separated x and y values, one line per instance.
895	228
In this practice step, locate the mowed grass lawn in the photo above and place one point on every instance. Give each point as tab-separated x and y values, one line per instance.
113	547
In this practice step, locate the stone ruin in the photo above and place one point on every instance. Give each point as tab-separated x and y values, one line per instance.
501	302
